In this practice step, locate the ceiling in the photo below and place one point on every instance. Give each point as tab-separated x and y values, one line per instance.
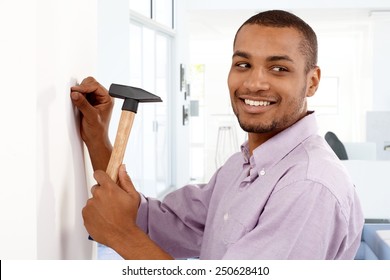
217	24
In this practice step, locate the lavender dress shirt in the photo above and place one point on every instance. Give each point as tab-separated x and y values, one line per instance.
292	199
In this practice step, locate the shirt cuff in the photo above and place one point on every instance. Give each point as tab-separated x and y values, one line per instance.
142	216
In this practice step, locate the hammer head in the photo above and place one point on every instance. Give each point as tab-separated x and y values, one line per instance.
132	96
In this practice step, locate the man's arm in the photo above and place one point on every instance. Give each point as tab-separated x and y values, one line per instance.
109	216
95	105
136	245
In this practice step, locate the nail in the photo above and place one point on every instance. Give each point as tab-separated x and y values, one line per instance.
74	95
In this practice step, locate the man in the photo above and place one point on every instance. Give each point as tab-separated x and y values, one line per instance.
285	196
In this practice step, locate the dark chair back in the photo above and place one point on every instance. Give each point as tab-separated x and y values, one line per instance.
336	145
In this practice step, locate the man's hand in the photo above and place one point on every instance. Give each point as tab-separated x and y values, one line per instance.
112	210
110	218
95	105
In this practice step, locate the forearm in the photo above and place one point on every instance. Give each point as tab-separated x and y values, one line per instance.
100	152
136	245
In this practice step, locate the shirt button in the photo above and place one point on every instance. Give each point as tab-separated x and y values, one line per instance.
226	216
262	172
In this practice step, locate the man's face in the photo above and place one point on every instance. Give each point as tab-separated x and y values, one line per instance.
267	81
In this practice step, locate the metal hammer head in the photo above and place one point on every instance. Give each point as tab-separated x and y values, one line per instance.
132	96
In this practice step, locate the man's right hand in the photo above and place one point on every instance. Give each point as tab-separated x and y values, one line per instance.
95	105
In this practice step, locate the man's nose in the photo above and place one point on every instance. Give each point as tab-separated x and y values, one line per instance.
257	80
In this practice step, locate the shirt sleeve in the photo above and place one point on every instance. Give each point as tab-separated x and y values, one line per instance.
301	221
177	223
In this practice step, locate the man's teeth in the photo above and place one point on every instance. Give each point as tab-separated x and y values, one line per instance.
257	103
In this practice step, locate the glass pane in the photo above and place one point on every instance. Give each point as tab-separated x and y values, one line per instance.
147	113
148	66
135	55
164	12
144	7
135	141
150	69
162	88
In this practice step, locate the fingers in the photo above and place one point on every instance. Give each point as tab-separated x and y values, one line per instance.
91	98
83	105
88	85
93	189
124	180
102	178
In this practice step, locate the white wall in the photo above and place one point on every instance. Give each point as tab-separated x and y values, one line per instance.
17	122
381	58
285	4
372	182
378	131
66	53
49	46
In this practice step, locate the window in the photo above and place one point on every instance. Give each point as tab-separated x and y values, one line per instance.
143	7
150	69
161	11
164	12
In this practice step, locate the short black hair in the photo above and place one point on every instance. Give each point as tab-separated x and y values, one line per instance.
280	18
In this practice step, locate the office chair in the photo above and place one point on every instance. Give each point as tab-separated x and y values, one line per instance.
336	145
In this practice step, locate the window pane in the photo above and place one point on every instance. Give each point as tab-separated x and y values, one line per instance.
144	7
135	55
162	87
135	142
163	10
148	63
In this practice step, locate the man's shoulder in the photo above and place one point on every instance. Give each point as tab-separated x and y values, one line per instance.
316	162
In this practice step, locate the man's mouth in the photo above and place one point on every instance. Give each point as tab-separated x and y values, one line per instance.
257	103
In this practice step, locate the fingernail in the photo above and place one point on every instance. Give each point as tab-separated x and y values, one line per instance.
124	167
74	95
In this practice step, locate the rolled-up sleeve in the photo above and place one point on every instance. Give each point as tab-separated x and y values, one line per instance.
177	223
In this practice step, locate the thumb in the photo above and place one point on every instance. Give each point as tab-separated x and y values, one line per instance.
124	180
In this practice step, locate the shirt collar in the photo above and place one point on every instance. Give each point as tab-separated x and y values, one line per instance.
273	150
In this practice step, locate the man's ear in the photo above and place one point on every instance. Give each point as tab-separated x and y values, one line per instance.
314	81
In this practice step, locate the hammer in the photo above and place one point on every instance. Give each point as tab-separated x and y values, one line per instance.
132	96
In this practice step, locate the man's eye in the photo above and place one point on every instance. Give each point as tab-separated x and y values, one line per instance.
279	69
242	65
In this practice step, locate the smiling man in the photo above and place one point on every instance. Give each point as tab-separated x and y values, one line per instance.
272	75
284	196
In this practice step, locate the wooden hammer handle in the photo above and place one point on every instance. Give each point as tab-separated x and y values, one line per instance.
118	151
